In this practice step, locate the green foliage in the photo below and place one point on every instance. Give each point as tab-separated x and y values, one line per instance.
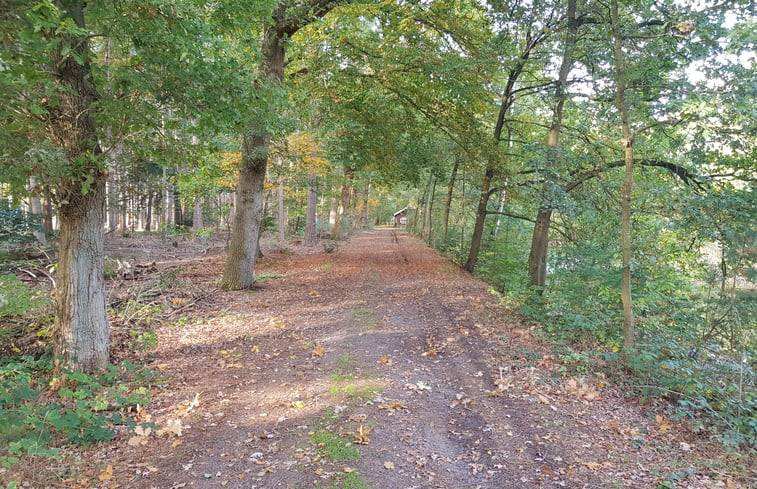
39	409
17	299
17	227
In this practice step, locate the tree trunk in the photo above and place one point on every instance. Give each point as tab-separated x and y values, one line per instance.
429	209
478	226
240	261
311	239
148	216
537	258
333	217
344	202
81	333
282	210
178	211
47	218
448	201
625	219
197	218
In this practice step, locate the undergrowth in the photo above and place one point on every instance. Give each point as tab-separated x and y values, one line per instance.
42	410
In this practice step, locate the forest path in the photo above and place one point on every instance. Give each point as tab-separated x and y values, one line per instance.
381	365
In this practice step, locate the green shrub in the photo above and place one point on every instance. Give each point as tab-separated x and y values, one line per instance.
40	409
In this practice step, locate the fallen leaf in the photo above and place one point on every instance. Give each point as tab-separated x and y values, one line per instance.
546	470
393	405
142	415
348	470
389	465
361	438
318	351
385	360
592	466
106	474
663	424
141	436
173	426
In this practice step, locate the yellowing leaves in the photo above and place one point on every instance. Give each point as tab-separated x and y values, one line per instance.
386	360
663	424
581	389
318	351
361	437
393	405
593	466
106	474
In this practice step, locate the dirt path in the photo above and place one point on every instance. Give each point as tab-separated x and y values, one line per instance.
382	365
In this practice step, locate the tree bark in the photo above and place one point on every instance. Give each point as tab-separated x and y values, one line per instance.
537	258
478	227
448	201
197	217
243	247
81	333
240	261
625	219
311	238
281	210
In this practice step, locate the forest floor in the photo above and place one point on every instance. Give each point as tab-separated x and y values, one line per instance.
379	365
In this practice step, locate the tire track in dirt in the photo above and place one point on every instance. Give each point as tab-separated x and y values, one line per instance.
395	323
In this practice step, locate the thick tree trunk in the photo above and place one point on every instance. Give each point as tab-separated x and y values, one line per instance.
448	201
82	334
81	325
311	239
625	219
240	262
537	258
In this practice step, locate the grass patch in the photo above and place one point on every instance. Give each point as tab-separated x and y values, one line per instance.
262	277
347	481
17	299
327	266
334	447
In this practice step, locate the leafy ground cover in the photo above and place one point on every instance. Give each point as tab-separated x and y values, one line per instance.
378	365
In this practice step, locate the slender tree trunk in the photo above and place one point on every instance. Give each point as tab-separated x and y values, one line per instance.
148	215
311	239
448	201
282	210
178	210
429	209
340	230
197	217
333	216
81	333
625	219
478	226
537	258
47	217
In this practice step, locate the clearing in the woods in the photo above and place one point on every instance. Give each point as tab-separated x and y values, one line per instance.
379	365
